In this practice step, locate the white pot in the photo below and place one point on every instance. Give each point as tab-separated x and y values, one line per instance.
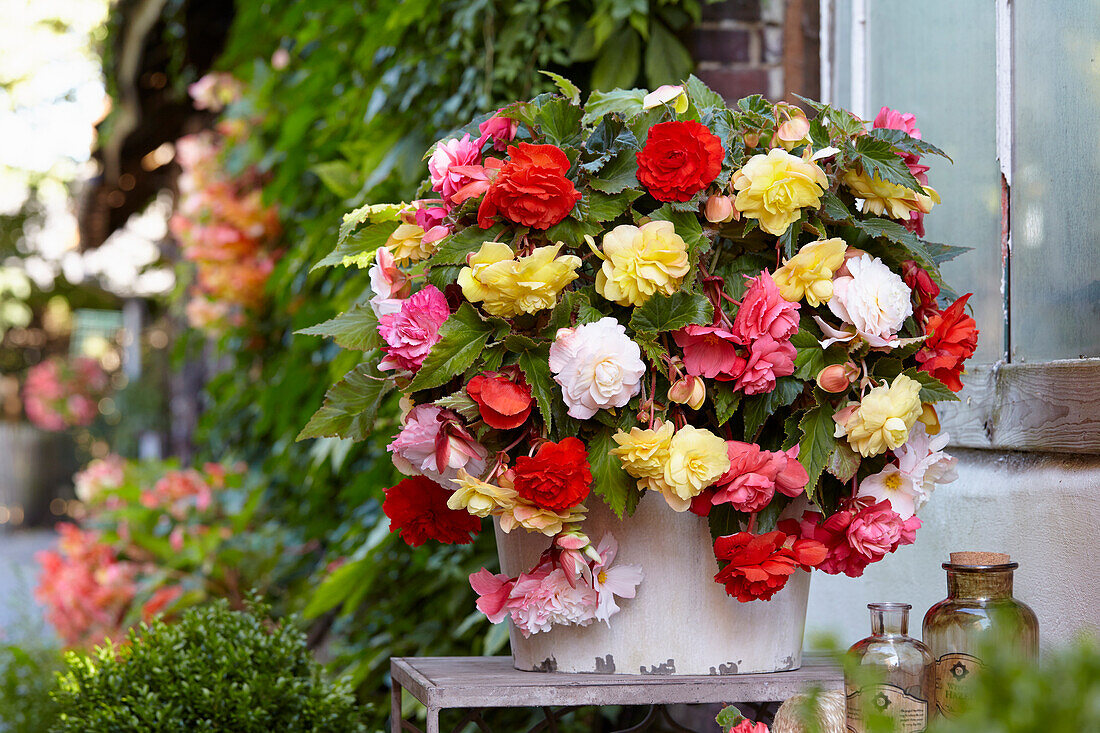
680	622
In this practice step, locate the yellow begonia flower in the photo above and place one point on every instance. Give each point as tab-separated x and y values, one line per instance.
774	188
883	417
641	261
478	497
407	245
537	519
895	201
696	459
809	273
507	287
644	453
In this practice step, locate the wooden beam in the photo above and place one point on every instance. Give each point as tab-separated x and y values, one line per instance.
1054	406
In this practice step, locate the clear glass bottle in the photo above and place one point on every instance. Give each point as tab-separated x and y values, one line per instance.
979	610
893	673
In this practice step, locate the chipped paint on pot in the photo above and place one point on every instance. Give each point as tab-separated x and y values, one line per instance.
681	621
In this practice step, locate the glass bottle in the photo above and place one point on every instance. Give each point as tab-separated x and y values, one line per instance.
979	610
893	673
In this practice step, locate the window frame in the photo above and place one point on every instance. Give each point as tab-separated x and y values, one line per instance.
1049	406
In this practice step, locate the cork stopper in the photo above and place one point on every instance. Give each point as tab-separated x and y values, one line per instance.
980	558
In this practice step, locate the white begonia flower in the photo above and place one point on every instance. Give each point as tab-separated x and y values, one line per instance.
597	366
923	460
873	299
890	483
383	284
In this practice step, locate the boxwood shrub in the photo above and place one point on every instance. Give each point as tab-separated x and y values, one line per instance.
212	670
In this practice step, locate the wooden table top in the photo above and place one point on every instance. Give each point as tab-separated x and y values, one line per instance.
467	682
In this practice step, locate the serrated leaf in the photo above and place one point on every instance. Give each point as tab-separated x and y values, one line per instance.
618	175
653	349
566	310
903	142
350	405
556	121
375	213
462	337
843	463
358	245
624	102
759	408
768	517
896	233
572	232
817	443
725	400
452	250
729	717
609	479
834	208
535	365
461	403
810	358
878	160
932	389
570	90
701	94
609	138
605	207
356	329
668	313
944	252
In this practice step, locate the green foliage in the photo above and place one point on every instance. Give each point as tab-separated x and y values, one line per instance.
215	669
609	479
1060	694
28	670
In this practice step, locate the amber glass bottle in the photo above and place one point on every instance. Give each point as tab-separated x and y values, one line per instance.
900	668
979	610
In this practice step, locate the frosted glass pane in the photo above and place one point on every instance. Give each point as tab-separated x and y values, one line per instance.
937	59
1055	291
842	54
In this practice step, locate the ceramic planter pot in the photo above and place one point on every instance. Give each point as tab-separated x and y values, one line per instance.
680	622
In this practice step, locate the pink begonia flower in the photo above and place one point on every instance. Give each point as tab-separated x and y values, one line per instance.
429	217
453	153
790	477
608	582
875	531
412	332
764	312
501	129
710	351
476	179
542	598
493	591
768	359
434	443
175	539
747	726
573	559
388	282
749	484
597	366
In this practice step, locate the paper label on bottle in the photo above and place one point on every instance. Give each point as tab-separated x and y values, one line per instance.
952	670
909	712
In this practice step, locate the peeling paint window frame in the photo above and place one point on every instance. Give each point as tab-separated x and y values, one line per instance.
1046	406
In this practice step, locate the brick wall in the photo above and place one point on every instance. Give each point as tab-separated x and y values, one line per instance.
767	47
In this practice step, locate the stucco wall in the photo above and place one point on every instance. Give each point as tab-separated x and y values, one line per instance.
1042	509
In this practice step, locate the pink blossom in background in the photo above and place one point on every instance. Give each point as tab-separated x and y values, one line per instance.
84	588
161	599
412	332
102	474
59	394
177	492
710	351
763	312
433	442
454	152
502	130
768	360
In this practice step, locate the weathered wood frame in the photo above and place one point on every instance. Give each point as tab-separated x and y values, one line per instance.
492	682
1052	406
